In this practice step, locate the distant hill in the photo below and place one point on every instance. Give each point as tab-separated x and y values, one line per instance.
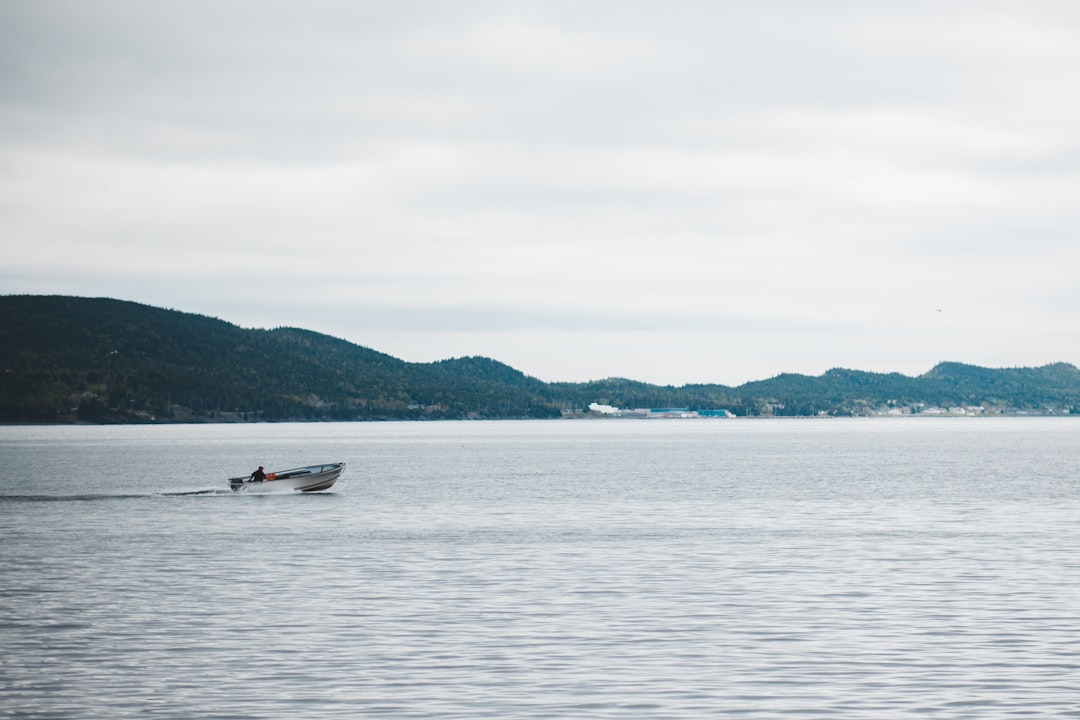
69	359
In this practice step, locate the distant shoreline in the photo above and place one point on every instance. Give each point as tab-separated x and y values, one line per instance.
582	418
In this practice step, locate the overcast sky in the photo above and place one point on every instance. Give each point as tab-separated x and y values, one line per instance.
674	192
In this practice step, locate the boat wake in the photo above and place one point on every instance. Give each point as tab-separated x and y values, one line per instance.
68	498
207	491
97	497
200	492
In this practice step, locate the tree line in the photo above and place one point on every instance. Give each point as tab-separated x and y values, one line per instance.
69	359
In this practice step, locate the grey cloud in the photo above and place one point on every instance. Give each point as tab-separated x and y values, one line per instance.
764	167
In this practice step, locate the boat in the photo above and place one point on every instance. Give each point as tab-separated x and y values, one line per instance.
312	478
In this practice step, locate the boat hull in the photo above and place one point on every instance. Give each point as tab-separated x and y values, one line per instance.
312	478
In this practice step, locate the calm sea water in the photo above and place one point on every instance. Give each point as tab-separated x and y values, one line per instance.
556	569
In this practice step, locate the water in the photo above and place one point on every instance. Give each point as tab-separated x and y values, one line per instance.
554	569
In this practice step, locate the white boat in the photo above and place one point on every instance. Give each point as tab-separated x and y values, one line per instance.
312	478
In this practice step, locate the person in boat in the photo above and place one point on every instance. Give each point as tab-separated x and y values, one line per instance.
258	475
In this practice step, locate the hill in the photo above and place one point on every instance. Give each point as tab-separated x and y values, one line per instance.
100	359
68	359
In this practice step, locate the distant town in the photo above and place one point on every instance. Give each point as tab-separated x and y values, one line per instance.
776	410
598	410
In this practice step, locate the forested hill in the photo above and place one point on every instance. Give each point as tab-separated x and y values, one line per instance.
68	359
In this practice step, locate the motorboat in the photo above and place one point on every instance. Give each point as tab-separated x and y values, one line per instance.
311	478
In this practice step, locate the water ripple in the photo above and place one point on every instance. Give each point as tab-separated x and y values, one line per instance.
455	584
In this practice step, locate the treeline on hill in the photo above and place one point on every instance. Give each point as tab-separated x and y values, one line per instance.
68	359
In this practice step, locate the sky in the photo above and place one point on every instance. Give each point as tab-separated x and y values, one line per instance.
673	192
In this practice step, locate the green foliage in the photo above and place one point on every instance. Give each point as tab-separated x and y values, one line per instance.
67	359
